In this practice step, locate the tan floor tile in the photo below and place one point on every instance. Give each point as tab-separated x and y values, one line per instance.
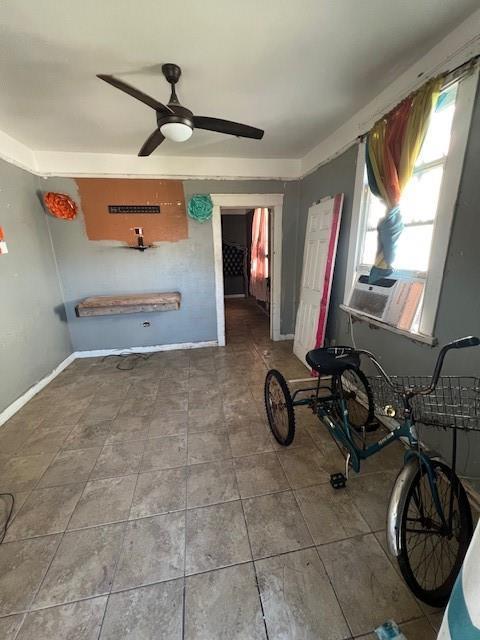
118	460
171	424
275	524
249	439
302	467
83	566
330	513
260	474
22	567
216	537
361	574
45	511
207	446
153	551
371	494
70	466
159	492
211	483
298	599
79	620
224	604
84	436
9	626
103	502
45	439
22	473
165	453
206	418
147	613
126	428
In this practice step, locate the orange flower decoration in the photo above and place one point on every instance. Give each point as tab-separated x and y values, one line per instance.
60	205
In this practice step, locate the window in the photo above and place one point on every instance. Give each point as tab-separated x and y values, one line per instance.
420	200
427	208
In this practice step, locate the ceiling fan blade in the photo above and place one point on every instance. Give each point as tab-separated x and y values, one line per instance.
135	93
226	126
151	143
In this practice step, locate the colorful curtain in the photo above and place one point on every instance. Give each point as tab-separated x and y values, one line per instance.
259	255
392	150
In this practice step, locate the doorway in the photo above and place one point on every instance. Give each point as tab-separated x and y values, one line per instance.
240	203
236	251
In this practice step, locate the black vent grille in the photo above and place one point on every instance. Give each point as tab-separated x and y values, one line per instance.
133	208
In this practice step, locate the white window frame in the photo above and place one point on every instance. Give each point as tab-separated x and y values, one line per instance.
452	175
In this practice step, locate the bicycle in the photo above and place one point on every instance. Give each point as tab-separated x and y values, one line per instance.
429	521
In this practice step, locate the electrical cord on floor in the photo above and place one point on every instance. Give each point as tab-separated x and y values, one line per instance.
130	362
4	527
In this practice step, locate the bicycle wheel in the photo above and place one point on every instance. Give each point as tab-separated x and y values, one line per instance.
279	406
430	558
359	398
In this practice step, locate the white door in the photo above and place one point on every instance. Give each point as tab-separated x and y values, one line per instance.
321	238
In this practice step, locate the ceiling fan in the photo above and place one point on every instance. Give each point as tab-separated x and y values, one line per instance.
174	121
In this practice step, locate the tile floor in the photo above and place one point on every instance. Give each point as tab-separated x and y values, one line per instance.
153	503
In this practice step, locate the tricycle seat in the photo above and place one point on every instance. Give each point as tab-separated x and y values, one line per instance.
329	361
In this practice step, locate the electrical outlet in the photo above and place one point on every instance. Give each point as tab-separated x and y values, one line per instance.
146	323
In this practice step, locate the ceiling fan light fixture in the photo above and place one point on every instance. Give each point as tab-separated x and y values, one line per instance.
174	121
176	131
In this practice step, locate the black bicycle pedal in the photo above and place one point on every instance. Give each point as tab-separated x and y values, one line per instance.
338	480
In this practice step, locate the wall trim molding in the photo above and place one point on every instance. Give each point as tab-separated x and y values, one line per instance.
97	353
17	404
286	336
109	165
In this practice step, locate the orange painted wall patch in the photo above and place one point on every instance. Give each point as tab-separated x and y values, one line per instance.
98	194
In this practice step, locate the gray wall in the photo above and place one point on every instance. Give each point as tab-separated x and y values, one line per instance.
459	308
101	268
34	337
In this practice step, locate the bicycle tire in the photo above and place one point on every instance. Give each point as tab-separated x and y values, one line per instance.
285	436
438	595
359	416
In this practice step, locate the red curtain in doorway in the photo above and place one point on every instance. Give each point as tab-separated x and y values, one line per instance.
259	255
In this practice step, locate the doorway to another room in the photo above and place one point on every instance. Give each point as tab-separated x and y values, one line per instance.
247	241
246	248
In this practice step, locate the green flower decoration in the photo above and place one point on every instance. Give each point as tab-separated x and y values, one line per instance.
200	208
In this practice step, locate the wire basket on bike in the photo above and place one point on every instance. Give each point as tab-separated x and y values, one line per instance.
454	403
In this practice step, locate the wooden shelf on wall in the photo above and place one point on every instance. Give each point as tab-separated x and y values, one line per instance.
131	303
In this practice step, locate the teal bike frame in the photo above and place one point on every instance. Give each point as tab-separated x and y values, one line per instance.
341	430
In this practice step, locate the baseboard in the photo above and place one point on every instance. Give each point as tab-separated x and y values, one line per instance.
12	409
235	295
151	349
286	336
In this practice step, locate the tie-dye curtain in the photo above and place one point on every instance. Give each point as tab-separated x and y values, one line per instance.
259	255
392	149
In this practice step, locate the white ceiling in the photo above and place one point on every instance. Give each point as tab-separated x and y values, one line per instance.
297	68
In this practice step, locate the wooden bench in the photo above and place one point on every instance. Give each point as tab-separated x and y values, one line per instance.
134	303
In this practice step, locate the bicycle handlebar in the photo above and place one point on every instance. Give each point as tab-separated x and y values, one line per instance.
461	343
